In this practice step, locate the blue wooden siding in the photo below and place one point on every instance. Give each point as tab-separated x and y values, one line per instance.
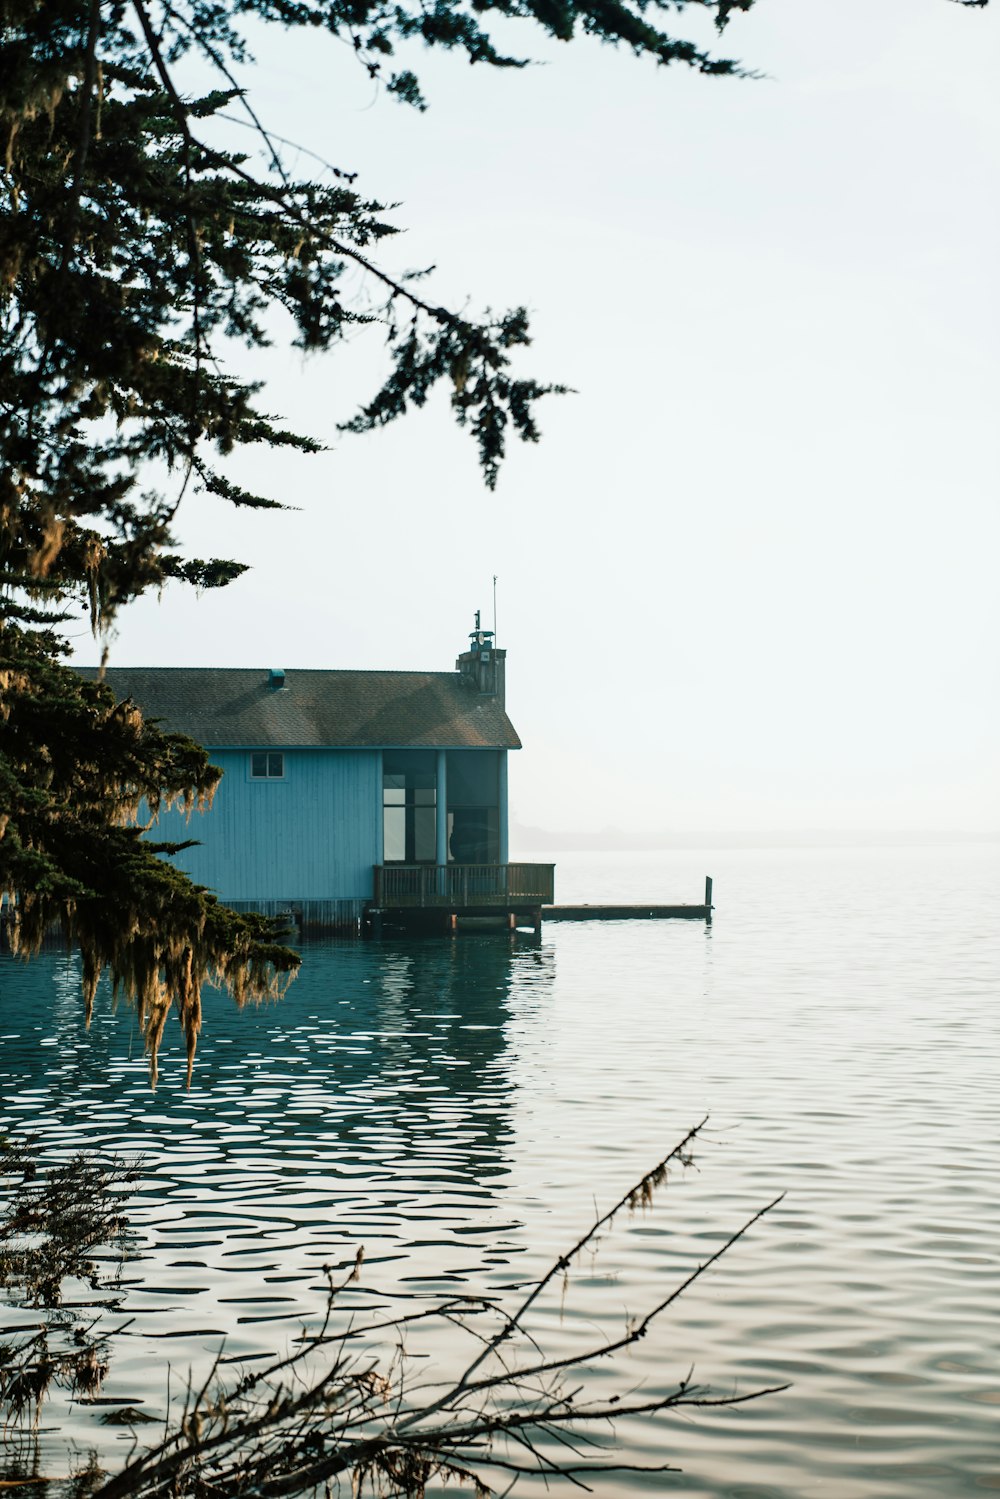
313	835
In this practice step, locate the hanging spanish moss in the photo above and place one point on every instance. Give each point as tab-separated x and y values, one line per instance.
81	779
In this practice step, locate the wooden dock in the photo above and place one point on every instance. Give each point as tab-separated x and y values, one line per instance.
625	913
475	897
644	912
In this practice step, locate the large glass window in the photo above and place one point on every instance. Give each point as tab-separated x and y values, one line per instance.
409	807
474	806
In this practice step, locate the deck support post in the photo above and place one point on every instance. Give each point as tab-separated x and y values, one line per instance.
441	819
502	809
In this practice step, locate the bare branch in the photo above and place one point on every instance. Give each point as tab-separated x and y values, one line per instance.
283	1432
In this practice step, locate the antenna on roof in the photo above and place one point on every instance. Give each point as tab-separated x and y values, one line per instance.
494	608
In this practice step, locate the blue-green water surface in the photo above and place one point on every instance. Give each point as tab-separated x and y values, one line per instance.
458	1106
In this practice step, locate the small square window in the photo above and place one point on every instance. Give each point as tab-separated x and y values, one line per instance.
267	765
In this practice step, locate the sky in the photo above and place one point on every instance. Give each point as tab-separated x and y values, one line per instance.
747	581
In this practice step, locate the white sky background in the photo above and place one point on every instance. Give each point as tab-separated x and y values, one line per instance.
749	578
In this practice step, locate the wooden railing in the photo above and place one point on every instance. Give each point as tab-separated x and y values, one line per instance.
457	887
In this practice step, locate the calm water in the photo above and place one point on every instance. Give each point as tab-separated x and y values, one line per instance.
458	1106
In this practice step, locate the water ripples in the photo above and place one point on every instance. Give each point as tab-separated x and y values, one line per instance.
458	1106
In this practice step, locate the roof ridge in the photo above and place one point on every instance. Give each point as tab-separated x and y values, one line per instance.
342	707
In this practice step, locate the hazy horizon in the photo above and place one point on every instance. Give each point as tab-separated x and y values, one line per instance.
618	840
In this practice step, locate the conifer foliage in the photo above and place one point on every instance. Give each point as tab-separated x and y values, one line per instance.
75	770
61	1225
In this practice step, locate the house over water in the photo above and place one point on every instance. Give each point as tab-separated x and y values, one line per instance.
350	796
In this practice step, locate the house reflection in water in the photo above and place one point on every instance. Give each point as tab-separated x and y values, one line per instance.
376	1095
373	1106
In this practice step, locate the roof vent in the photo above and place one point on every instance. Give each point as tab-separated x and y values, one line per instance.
276	678
481	640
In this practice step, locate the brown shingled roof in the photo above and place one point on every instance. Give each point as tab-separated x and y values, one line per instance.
235	706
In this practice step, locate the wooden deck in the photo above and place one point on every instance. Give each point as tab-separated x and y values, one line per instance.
428	893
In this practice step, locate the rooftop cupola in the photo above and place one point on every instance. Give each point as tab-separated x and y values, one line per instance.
276	678
483	667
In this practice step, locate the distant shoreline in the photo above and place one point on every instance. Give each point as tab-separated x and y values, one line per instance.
531	840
